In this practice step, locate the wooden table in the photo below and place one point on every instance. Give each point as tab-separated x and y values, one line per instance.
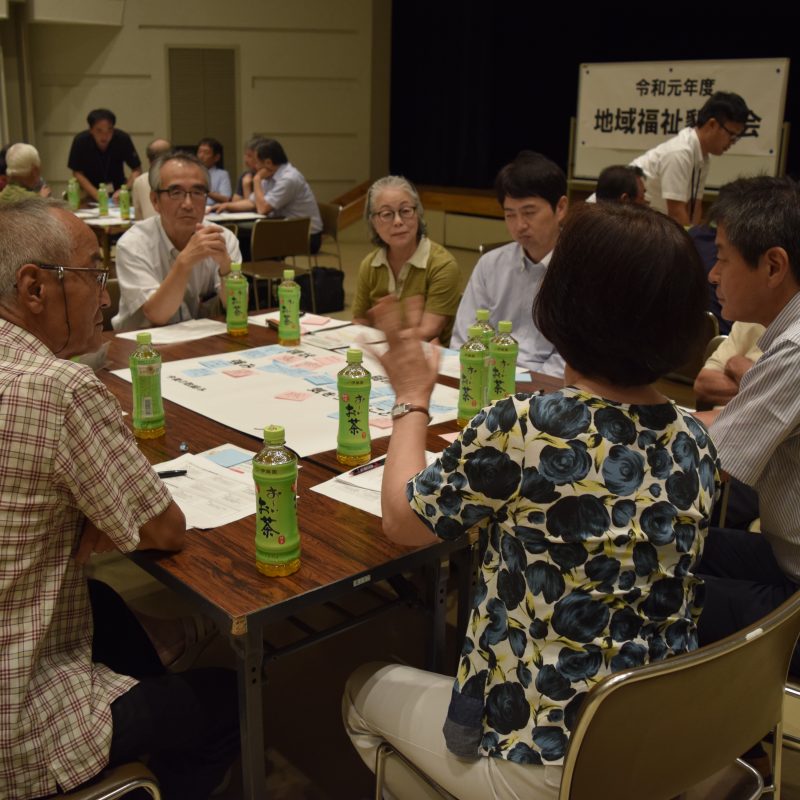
342	548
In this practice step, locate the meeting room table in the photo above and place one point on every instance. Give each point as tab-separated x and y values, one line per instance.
343	547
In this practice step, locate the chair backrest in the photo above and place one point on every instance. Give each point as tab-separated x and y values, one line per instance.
656	730
276	238
688	372
330	219
712	345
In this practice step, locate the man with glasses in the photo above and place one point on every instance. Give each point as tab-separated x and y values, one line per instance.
78	694
676	170
171	267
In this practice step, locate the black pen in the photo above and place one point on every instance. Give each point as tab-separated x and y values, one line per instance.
379	462
172	473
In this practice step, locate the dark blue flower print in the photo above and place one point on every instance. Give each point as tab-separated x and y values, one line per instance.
551	683
604	571
468	436
521	753
449	501
478	419
682	488
491	743
524	675
579	618
474	515
625	624
451	456
655	490
492	473
684	451
622	512
497	629
518	641
502	415
660	462
565	464
577	517
564	417
665	598
697	430
537	488
448	528
632	596
476	685
626	579
684	537
457	480
707	472
568	556
467	647
615	426
623	470
538	629
571	710
645	559
555	715
646	438
551	741
481	590
657	522
429	480
507	708
510	588
679	636
579	665
630	655
513	552
430	511
657	649
545	579
532	540
655	417
536	517
683	566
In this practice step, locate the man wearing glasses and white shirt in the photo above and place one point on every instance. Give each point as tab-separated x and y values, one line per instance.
170	266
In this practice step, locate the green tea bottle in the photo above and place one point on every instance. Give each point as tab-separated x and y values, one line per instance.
472	386
102	200
124	203
275	476
353	444
482	321
289	305
73	194
236	293
148	408
503	350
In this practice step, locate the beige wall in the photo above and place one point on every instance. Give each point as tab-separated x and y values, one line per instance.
306	75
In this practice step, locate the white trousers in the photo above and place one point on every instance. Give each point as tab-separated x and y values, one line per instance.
406	707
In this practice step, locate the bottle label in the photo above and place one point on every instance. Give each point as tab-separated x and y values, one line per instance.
354	437
277	537
148	409
502	374
236	304
289	320
472	387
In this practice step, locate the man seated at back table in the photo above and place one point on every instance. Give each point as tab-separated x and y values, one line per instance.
170	266
757	434
77	697
532	192
620	184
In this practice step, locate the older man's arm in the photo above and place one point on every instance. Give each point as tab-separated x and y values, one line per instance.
714	386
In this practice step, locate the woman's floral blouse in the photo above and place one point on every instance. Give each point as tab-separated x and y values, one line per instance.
591	516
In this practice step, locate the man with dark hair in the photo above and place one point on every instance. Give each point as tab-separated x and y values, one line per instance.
532	192
676	170
97	155
757	276
171	267
279	190
209	151
621	184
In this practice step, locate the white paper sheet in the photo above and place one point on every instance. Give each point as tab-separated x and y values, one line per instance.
351	336
233	216
309	323
180	332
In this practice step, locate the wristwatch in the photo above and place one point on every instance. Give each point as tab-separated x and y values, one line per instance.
401	409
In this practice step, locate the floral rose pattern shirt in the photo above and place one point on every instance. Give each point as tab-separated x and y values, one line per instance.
591	516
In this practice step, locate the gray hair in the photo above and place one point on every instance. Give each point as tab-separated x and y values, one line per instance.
392	182
30	234
21	159
154	174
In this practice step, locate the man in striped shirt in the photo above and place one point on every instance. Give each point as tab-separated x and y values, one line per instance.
757	435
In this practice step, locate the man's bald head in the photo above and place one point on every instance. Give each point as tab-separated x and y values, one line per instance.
157	148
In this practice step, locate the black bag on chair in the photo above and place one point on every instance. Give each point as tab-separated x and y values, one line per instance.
328	288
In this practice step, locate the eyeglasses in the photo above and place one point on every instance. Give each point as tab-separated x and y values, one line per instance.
176	193
387	215
101	273
734	136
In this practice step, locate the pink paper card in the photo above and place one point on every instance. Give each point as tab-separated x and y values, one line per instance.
296	396
380	422
238	373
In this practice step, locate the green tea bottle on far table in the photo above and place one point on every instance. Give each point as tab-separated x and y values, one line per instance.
275	476
353	444
73	194
482	321
472	386
102	200
148	409
124	203
236	292
289	305
503	350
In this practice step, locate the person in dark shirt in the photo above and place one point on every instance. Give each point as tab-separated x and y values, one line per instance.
97	155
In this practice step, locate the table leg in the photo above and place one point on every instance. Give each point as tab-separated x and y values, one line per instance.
437	588
251	712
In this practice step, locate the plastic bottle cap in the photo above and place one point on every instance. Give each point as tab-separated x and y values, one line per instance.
288	274
504	326
143	338
236	267
474	331
482	315
354	355
274	434
101	186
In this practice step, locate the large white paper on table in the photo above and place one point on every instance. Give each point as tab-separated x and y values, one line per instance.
233	216
362	490
180	332
351	336
309	323
290	386
209	494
